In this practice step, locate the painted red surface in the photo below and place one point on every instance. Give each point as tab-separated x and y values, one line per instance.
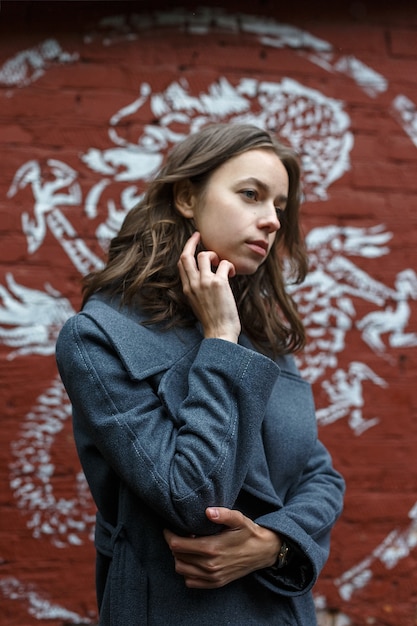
63	113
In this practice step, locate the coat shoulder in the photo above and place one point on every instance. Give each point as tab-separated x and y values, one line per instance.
143	349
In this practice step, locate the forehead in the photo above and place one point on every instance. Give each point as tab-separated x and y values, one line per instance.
262	164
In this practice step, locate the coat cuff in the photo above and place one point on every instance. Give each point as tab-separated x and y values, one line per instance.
307	560
294	578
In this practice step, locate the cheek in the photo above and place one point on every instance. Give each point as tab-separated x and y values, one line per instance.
218	224
213	239
209	224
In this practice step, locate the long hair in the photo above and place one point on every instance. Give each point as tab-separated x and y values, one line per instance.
142	261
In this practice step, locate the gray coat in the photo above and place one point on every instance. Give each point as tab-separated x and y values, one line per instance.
167	423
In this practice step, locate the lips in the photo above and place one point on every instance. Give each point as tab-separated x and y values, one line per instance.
259	247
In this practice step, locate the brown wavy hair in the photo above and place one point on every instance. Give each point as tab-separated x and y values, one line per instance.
142	261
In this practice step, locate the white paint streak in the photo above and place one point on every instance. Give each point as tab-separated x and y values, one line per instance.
38	606
396	546
365	77
204	19
29	65
370	81
274	34
405	111
124	164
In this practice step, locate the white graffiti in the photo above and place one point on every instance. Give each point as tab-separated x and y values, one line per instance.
365	77
326	298
45	194
326	617
30	320
111	30
326	303
125	162
344	391
38	606
318	127
406	112
114	29
394	318
64	521
47	186
29	65
397	545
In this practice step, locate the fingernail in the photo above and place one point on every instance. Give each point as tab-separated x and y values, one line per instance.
214	513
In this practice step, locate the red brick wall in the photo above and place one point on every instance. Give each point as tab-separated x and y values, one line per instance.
340	83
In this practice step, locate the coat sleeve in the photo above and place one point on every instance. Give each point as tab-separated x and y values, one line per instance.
305	522
178	462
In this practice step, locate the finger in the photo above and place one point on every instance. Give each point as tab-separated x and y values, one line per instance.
185	545
178	544
187	263
192	549
183	274
226	517
203	574
206	260
189	250
192	242
168	535
226	269
212	580
196	569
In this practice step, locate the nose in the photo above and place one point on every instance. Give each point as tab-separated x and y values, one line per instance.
269	220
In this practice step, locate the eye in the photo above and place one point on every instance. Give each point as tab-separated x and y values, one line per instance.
250	194
280	213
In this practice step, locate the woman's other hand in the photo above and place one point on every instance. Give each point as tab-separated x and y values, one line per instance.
214	561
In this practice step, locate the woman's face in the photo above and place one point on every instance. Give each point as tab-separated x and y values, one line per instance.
237	213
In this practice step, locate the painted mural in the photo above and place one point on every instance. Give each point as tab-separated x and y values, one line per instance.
56	201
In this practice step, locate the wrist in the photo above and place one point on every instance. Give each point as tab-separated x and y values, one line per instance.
282	556
279	550
271	543
225	337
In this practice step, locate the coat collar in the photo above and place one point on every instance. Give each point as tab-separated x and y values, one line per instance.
144	350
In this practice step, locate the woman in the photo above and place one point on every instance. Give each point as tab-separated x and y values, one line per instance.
195	431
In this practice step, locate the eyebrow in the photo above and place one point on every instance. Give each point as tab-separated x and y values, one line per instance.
252	180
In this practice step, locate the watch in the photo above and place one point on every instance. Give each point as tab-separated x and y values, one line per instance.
282	558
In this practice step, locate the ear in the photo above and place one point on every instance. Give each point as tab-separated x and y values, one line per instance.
184	198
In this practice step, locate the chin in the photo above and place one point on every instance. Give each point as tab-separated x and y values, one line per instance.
246	271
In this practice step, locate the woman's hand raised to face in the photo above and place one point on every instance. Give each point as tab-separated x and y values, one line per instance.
208	291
